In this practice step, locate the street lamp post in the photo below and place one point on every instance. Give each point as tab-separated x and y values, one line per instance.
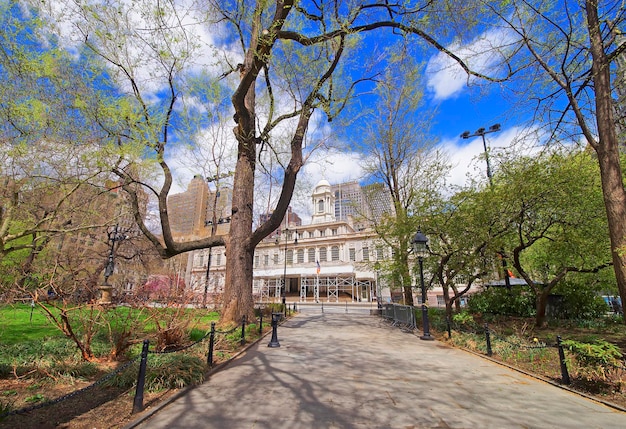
206	280
284	283
481	132
420	248
112	237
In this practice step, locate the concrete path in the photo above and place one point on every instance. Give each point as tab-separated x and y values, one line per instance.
355	371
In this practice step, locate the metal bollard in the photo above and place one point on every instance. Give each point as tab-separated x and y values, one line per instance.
261	323
488	339
274	341
209	358
285	305
322	307
243	329
564	373
294	307
141	379
346	306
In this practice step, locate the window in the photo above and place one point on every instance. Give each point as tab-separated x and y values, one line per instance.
323	254
256	260
320	206
290	256
334	253
218	259
352	253
311	255
275	258
440	301
201	260
322	233
266	260
379	253
334	231
366	253
300	256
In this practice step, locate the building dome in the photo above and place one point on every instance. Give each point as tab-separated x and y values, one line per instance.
322	184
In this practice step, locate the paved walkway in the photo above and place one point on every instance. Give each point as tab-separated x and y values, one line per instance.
355	371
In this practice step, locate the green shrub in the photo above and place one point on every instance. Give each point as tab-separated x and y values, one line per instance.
580	301
596	358
516	301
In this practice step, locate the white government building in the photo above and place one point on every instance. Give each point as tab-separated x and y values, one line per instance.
333	258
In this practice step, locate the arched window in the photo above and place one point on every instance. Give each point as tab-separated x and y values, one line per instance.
323	257
300	256
311	255
320	206
290	256
334	253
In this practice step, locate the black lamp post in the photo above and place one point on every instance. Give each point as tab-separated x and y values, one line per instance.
420	248
206	280
113	237
284	291
481	132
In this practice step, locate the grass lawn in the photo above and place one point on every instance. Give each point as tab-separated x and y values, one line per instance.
23	323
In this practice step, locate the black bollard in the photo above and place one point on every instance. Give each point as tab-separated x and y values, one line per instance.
488	339
274	341
141	379
294	307
261	323
564	373
322	307
346	306
243	329
209	358
285	305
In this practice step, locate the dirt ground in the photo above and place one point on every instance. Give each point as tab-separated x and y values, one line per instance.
98	408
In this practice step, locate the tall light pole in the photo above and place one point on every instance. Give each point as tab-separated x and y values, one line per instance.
481	132
420	248
206	279
284	283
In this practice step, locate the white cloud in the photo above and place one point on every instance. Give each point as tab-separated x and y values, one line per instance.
446	78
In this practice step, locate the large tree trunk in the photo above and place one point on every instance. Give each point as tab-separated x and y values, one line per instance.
607	150
238	299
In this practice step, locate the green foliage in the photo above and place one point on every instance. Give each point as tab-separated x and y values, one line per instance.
516	301
580	300
463	318
598	353
599	358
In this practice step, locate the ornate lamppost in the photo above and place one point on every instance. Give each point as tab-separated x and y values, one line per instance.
112	237
420	248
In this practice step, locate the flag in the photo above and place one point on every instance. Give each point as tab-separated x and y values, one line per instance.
318	267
